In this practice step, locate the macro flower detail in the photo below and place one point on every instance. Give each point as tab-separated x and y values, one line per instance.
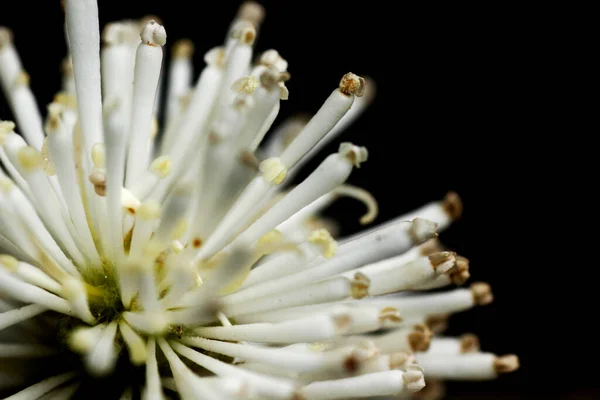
178	259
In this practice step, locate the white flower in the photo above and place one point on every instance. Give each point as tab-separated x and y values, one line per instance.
191	257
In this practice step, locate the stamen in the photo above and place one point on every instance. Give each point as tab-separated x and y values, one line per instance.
330	290
415	339
13	317
27	293
41	388
30	274
180	80
335	107
471	366
265	385
138	352
103	358
115	144
311	329
60	149
25	109
159	169
330	174
148	64
152	391
439	303
387	383
380	244
75	293
84	42
188	384
281	358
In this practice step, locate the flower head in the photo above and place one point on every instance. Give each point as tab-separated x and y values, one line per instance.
182	255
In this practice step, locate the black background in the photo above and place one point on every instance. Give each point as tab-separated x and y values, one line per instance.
455	93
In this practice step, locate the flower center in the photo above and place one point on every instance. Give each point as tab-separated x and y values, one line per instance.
103	295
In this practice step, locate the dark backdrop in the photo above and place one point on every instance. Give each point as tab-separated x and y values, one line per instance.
452	113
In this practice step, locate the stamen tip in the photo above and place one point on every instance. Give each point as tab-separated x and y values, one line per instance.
390	314
352	84
469	343
460	274
414	379
482	293
161	167
29	158
420	338
183	48
356	154
506	364
360	286
452	205
153	34
252	11
443	261
422	230
437	323
215	57
273	170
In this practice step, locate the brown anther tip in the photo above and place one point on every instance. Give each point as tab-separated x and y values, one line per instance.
352	84
420	338
453	205
401	359
248	36
469	343
183	48
249	160
270	78
390	314
482	293
196	243
430	247
351	364
437	323
443	261
506	364
252	11
360	286
461	273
